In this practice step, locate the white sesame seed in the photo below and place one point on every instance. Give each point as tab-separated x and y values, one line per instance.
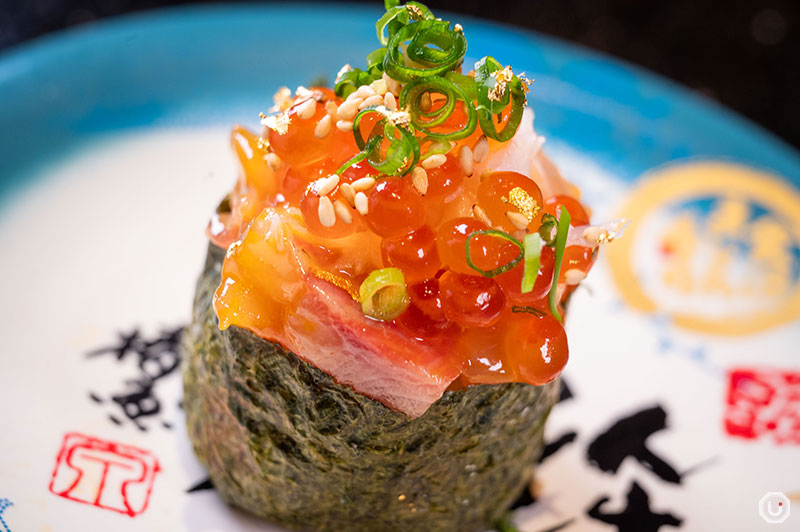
349	109
425	102
344	125
391	84
419	179
306	109
302	92
348	193
481	215
362	204
365	91
379	86
331	108
273	160
434	161
325	185
481	149
595	235
442	146
519	234
365	183
574	276
327	216
282	96
517	219
342	211
389	101
375	99
465	158
323	127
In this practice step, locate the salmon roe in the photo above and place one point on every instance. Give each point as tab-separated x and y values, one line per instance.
291	217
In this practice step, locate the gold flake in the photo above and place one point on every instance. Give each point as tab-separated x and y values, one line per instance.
414	12
502	78
523	201
526	82
279	122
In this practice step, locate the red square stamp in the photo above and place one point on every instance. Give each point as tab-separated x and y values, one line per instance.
105	474
764	402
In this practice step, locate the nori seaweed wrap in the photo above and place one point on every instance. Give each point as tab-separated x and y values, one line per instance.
377	333
284	441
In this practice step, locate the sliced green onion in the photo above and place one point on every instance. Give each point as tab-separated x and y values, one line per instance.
402	153
561	243
514	92
431	44
547	229
398	13
439	147
370	146
533	250
422	53
375	58
514	119
391	14
485	82
411	97
465	83
353	79
500	269
383	294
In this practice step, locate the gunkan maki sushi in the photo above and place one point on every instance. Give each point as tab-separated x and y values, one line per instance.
377	332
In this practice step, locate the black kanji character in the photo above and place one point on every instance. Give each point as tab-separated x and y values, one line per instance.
637	516
553	447
628	437
203	485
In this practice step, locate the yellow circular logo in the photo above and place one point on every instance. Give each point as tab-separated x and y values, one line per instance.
714	245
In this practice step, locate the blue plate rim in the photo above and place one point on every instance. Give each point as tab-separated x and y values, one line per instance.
35	54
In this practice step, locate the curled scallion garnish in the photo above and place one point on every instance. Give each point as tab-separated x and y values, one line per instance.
411	97
533	250
398	16
561	243
500	269
353	79
383	294
422	53
402	150
432	45
360	156
496	88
